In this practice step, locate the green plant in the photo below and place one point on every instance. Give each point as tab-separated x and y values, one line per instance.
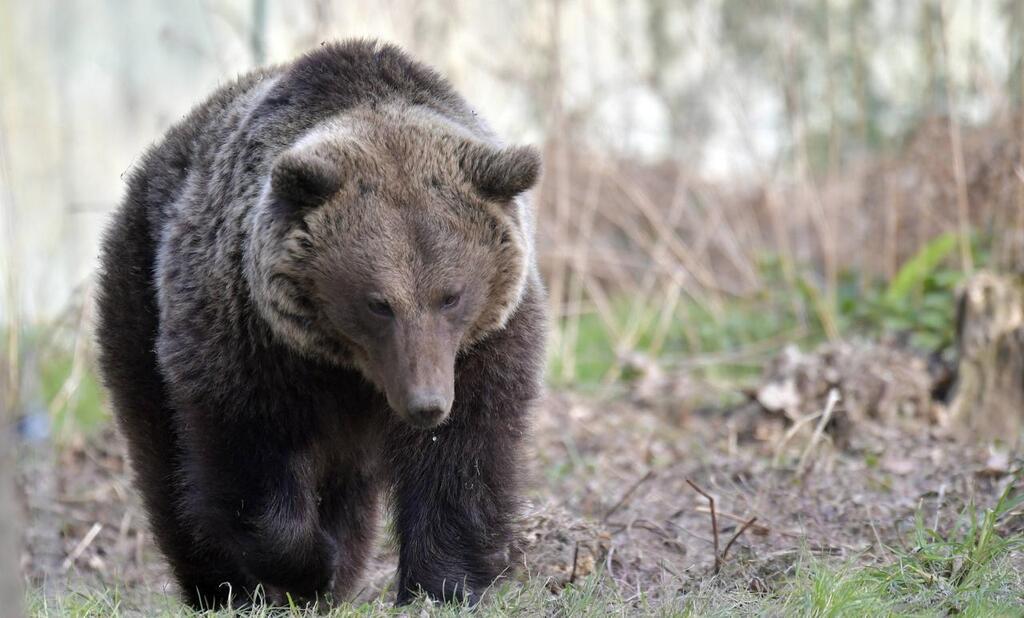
72	393
918	303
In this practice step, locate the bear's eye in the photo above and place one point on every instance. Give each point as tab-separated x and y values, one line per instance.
450	300
381	308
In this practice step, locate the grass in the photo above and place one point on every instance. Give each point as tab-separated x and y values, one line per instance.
969	570
593	596
818	588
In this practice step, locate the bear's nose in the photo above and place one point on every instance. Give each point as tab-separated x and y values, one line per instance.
427	409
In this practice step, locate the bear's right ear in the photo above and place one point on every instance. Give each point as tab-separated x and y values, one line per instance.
303	181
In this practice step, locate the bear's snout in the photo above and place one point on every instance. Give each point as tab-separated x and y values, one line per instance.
417	369
427	410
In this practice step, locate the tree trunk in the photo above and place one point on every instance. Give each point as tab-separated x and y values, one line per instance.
10	539
10	576
988	397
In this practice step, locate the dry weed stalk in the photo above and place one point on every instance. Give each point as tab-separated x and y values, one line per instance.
577	276
956	144
659	250
575	562
82	545
720	558
798	424
68	393
714	522
625	496
819	430
560	155
750	522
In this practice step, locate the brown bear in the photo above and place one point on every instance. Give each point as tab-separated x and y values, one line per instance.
321	289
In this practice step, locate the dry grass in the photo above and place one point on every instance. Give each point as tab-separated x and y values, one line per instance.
648	245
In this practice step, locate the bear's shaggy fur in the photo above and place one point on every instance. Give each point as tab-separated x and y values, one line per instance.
320	289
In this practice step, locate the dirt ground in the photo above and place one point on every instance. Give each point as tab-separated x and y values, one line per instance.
611	490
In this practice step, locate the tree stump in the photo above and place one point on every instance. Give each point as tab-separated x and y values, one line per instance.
988	396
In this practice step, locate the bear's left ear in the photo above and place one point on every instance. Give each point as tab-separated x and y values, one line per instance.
303	180
500	173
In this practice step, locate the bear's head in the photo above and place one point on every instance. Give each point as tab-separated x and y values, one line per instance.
390	239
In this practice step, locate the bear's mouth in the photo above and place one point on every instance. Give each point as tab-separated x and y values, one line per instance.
422	422
421	409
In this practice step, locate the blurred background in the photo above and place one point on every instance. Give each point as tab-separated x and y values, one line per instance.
722	177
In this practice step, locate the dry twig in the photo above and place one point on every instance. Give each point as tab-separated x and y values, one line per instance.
833	399
79	549
720	556
757	529
743	528
714	522
629	492
798	424
575	561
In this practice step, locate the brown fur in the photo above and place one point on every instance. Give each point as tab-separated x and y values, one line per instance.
319	262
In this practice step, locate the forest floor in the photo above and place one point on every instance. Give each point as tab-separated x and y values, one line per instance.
888	518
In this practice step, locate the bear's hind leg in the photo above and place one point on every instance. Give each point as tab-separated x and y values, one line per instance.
126	333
